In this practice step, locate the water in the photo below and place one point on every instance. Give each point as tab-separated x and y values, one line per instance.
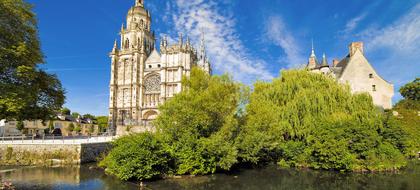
265	178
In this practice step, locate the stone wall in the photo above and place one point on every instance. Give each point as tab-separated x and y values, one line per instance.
126	130
51	154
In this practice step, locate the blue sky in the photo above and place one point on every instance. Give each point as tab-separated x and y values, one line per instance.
251	40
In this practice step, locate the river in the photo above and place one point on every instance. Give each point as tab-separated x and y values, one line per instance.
248	179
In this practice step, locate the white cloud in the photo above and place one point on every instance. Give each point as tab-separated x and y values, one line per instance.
395	49
353	23
226	51
277	33
403	36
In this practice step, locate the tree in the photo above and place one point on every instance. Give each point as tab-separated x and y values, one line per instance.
78	128
65	111
20	125
70	127
50	126
91	129
199	125
102	122
75	115
137	157
27	91
304	119
411	91
89	116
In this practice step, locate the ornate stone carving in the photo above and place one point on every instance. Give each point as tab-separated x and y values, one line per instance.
152	84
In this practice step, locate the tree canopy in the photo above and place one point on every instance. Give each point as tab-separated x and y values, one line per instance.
305	119
411	91
27	92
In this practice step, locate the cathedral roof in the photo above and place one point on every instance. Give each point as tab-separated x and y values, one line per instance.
154	57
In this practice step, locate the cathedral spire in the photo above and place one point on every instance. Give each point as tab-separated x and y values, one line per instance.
324	61
202	46
139	3
313	50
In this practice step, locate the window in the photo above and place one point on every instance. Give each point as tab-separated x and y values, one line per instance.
371	76
150	66
374	88
159	65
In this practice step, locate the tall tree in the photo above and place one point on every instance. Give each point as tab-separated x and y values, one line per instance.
411	91
27	92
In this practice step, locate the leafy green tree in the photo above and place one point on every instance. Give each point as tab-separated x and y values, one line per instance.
411	91
199	125
70	127
305	119
91	129
75	115
20	125
65	111
78	128
137	157
89	116
102	122
27	91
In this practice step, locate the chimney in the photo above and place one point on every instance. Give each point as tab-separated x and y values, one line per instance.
335	62
354	46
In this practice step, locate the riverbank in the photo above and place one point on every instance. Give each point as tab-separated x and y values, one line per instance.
84	177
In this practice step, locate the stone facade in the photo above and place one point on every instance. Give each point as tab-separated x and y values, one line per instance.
51	154
356	71
37	127
142	78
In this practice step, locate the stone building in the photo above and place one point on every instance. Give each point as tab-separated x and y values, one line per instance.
142	78
356	71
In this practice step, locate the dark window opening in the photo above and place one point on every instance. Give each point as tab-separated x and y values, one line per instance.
159	65
371	75
374	88
150	66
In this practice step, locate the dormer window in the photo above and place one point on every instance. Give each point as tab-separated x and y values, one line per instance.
371	76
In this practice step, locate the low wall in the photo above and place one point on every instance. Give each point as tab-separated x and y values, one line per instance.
51	154
126	130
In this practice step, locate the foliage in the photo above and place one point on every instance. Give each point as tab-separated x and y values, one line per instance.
75	115
70	127
102	122
91	129
65	111
411	91
78	128
137	157
407	120
27	91
300	119
20	126
199	125
308	120
51	125
196	129
89	116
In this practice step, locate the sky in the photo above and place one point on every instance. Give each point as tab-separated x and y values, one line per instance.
251	40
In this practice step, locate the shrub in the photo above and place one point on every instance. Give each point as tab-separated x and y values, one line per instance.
137	157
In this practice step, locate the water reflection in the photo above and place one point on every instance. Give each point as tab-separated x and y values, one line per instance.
267	178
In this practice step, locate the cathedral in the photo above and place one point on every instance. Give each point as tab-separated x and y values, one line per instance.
356	71
142	77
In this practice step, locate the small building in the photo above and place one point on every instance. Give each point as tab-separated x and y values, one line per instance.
356	71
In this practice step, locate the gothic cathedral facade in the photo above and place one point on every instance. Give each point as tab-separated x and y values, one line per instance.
142	78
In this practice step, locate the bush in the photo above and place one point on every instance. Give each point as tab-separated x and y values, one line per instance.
137	157
309	120
199	125
70	127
